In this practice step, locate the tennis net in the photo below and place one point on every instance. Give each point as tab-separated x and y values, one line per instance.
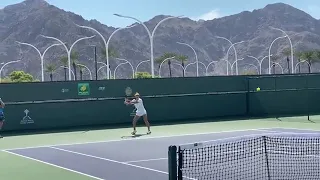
252	158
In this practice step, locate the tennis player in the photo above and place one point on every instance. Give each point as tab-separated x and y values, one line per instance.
1	115
141	112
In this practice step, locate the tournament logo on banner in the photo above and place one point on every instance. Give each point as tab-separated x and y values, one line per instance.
83	89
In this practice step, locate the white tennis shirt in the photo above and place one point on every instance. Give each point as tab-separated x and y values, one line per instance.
139	106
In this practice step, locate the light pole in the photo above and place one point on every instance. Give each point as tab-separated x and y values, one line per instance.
282	71
185	68
106	42
259	62
255	67
291	47
233	46
151	35
115	70
236	62
74	76
235	51
87	69
129	64
195	53
68	50
212	62
10	62
228	64
270	51
304	61
167	59
41	55
140	64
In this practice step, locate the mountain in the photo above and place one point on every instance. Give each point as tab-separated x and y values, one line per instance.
27	21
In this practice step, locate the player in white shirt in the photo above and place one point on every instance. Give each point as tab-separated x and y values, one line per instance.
141	112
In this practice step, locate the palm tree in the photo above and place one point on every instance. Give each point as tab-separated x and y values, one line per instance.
299	55
165	56
64	62
74	60
111	52
287	52
182	59
81	72
274	59
310	58
51	68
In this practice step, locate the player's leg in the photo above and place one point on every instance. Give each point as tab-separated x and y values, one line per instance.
145	119
134	124
1	124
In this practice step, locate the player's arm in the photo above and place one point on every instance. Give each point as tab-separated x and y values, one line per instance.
2	103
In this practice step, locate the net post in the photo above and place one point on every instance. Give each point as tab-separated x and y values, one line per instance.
180	163
172	162
248	96
307	93
266	156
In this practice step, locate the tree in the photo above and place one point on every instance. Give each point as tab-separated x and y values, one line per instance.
74	60
143	75
287	52
274	59
64	62
51	68
112	54
183	59
81	72
299	55
20	76
309	57
162	58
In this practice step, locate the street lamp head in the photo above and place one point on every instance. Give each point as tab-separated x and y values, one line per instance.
118	15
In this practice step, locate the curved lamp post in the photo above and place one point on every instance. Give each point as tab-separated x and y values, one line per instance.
233	46
4	65
129	64
74	76
279	66
115	70
87	69
235	51
151	35
195	53
295	69
140	64
68	50
259	62
212	62
185	68
164	62
236	62
291	47
41	55
270	51
255	67
228	64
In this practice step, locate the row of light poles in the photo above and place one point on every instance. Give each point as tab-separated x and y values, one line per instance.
151	38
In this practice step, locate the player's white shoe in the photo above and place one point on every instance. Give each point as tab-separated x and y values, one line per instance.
134	132
149	132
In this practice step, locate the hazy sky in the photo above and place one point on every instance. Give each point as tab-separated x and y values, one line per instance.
144	10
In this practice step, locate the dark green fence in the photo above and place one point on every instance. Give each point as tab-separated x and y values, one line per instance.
69	104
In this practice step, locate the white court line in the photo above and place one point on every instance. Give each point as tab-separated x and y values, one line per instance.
53	165
147	160
114	161
142	138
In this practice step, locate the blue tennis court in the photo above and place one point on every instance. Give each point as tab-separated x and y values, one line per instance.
131	158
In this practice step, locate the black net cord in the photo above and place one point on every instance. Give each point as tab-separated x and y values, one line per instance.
266	156
180	163
172	162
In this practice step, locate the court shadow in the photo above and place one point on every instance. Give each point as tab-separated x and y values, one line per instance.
133	136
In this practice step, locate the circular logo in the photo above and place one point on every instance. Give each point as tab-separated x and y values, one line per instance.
128	91
83	88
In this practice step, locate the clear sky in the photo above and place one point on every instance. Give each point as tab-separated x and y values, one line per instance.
103	10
